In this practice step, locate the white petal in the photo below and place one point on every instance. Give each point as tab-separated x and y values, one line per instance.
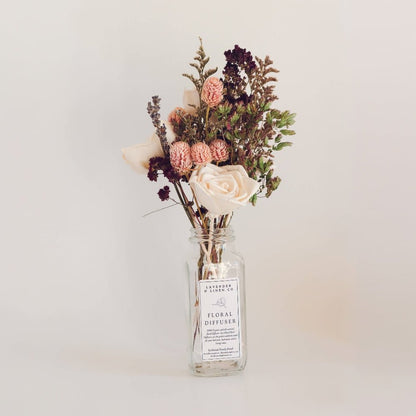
205	199
170	135
137	156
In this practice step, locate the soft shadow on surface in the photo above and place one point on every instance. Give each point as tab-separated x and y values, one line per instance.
123	362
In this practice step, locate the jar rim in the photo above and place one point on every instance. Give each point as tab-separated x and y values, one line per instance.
217	235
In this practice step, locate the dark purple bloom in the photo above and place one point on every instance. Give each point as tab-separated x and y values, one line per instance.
240	65
152	174
203	212
154	166
157	164
164	193
240	57
170	174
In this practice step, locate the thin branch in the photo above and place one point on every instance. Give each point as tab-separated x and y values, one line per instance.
160	209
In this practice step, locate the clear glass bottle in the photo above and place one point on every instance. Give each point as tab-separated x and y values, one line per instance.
217	305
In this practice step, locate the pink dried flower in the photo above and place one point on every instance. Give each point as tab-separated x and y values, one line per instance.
180	157
219	150
212	91
175	115
200	153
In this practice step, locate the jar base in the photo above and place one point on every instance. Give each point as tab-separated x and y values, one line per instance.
217	368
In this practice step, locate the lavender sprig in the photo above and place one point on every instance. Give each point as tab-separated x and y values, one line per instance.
153	110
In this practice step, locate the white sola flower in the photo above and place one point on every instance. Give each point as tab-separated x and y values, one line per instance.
138	155
222	189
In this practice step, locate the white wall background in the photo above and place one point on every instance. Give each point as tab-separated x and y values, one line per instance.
92	295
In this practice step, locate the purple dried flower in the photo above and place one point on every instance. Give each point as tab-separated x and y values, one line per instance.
240	65
152	175
203	212
241	57
164	193
154	166
170	174
162	164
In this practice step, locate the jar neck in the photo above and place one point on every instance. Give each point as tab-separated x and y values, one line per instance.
212	235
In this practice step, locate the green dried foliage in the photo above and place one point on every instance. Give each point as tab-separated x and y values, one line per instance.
255	130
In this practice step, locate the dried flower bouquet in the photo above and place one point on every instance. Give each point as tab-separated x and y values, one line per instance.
221	142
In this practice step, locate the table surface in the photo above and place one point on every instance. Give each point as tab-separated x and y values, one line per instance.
300	375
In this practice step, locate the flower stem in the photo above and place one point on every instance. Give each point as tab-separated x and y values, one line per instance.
184	204
206	122
199	209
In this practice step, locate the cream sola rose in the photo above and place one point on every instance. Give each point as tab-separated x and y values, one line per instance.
138	155
222	189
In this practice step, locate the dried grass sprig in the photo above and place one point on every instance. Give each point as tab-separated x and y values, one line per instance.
201	61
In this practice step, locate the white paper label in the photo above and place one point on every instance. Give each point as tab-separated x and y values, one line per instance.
220	319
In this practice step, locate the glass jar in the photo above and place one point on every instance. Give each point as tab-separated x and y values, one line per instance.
217	304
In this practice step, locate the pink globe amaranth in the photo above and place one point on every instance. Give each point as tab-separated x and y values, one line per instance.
200	154
219	150
212	91
175	115
180	157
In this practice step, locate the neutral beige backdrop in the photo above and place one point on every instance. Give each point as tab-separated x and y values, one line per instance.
92	295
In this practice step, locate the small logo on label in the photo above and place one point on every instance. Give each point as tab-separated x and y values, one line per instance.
220	302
